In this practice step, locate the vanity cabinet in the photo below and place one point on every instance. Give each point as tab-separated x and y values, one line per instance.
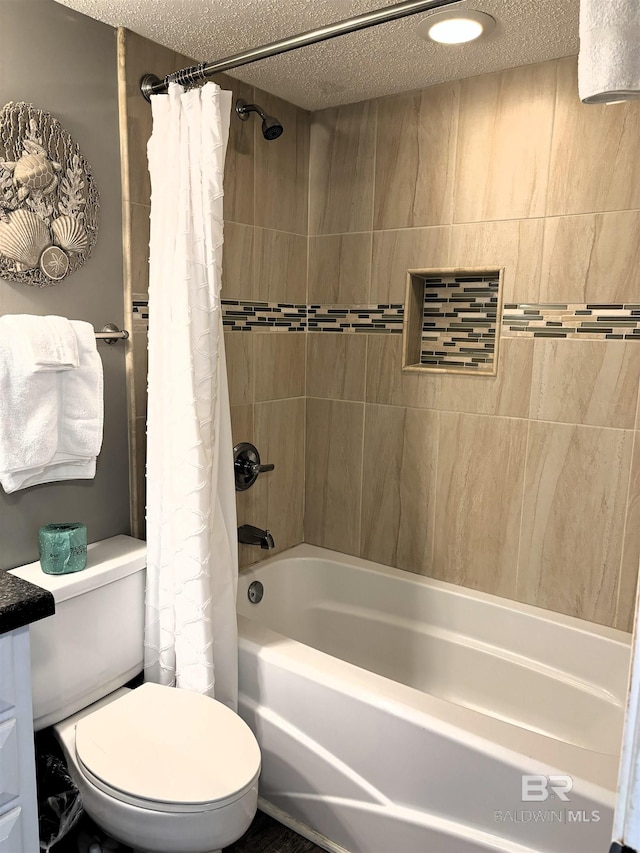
18	803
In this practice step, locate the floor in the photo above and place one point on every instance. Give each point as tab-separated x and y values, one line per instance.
265	835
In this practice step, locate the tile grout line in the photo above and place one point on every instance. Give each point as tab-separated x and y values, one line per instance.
360	526
551	146
304	468
570	424
304	427
364	415
531	383
375	167
465	224
306	347
545	236
454	167
432	552
252	356
626	513
624	533
524	484
370	265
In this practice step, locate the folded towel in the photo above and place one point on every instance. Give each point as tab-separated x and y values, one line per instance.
609	59
82	400
50	422
28	406
48	343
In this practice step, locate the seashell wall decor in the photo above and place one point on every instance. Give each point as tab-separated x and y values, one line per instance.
49	201
23	238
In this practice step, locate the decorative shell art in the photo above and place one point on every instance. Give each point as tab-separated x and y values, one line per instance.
48	199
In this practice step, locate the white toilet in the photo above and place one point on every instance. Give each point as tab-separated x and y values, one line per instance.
160	769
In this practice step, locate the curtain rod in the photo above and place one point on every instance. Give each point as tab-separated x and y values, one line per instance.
153	85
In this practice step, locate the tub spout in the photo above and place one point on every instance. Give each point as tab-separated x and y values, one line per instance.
250	535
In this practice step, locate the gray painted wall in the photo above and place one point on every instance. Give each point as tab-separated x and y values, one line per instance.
65	63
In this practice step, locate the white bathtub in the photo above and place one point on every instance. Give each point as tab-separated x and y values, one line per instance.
397	714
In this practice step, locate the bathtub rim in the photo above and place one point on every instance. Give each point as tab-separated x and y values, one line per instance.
307	552
505	740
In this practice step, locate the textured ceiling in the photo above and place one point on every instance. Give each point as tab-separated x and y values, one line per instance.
380	61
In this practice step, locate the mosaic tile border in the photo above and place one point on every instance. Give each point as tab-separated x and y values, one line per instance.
239	316
386	318
545	320
459	320
243	316
140	311
575	321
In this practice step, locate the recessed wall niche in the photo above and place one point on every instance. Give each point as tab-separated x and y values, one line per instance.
451	321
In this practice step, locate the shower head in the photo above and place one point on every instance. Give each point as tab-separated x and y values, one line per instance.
271	127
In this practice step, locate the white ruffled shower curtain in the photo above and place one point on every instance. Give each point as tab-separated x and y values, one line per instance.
192	565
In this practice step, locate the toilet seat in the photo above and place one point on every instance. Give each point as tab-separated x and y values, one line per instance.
169	750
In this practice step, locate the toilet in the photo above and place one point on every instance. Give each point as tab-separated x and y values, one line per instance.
160	769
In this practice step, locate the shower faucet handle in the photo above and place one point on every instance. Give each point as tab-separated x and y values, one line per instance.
247	465
260	469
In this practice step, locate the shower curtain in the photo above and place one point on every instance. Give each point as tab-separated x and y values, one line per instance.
192	564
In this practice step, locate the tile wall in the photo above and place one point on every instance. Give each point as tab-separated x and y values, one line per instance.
524	484
265	261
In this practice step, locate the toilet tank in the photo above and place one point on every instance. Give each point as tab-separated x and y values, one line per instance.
93	643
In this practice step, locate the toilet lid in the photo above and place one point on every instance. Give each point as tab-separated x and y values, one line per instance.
174	748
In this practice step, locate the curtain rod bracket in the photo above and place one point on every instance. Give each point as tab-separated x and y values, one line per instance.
149	85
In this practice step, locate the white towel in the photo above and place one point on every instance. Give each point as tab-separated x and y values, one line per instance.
28	406
48	343
50	422
609	59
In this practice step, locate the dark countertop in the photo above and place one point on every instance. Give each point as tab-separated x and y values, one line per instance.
22	602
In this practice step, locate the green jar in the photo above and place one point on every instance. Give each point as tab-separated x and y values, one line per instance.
63	548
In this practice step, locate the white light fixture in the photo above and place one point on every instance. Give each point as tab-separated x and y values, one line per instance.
456	27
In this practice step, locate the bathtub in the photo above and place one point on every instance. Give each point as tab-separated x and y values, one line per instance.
398	714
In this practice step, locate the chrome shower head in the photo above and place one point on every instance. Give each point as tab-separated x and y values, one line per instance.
271	127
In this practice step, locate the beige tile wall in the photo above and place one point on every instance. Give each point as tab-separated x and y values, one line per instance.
265	258
527	484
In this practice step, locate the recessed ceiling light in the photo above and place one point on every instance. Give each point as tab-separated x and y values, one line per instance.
456	27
